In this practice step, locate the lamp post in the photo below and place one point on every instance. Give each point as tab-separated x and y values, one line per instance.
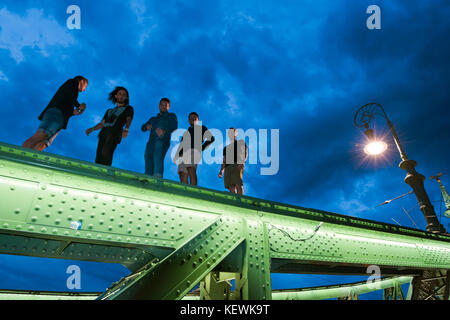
363	117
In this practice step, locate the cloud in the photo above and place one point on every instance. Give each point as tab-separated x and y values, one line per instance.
147	22
33	30
304	67
3	77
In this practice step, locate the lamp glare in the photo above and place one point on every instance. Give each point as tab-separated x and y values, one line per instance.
375	148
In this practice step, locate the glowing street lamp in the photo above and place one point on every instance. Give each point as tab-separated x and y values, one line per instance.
375	148
363	117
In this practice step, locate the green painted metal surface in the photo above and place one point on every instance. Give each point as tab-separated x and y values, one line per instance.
318	293
180	271
57	207
341	291
45	295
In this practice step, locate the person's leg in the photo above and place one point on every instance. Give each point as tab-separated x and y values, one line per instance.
52	122
226	180
37	140
107	149
98	155
236	172
184	178
159	154
183	173
239	178
149	166
41	146
192	172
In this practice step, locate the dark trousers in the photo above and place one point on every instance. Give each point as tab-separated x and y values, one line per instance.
107	144
155	152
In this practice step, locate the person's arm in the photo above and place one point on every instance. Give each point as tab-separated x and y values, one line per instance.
72	91
148	125
222	167
127	126
79	110
180	148
246	153
96	127
173	124
179	152
245	156
169	126
209	139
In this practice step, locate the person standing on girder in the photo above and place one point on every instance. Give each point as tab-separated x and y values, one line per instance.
161	127
190	150
234	157
114	125
56	115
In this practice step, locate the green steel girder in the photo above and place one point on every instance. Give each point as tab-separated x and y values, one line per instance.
46	295
133	219
185	267
215	288
341	291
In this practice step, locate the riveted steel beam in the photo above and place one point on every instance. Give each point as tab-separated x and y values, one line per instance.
179	272
57	207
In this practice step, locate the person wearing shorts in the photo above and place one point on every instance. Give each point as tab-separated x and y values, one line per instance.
234	157
114	126
196	139
56	115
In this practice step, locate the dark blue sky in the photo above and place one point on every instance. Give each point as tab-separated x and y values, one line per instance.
303	67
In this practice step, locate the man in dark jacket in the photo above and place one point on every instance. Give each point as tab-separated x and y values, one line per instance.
56	115
161	127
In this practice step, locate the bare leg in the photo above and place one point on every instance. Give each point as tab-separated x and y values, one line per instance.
192	171
183	178
240	189
40	146
37	141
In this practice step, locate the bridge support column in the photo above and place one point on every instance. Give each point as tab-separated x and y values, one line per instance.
394	293
254	282
216	286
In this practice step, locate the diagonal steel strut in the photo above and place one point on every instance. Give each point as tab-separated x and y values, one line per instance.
174	276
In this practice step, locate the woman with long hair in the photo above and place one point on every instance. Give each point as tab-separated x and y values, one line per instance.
114	125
